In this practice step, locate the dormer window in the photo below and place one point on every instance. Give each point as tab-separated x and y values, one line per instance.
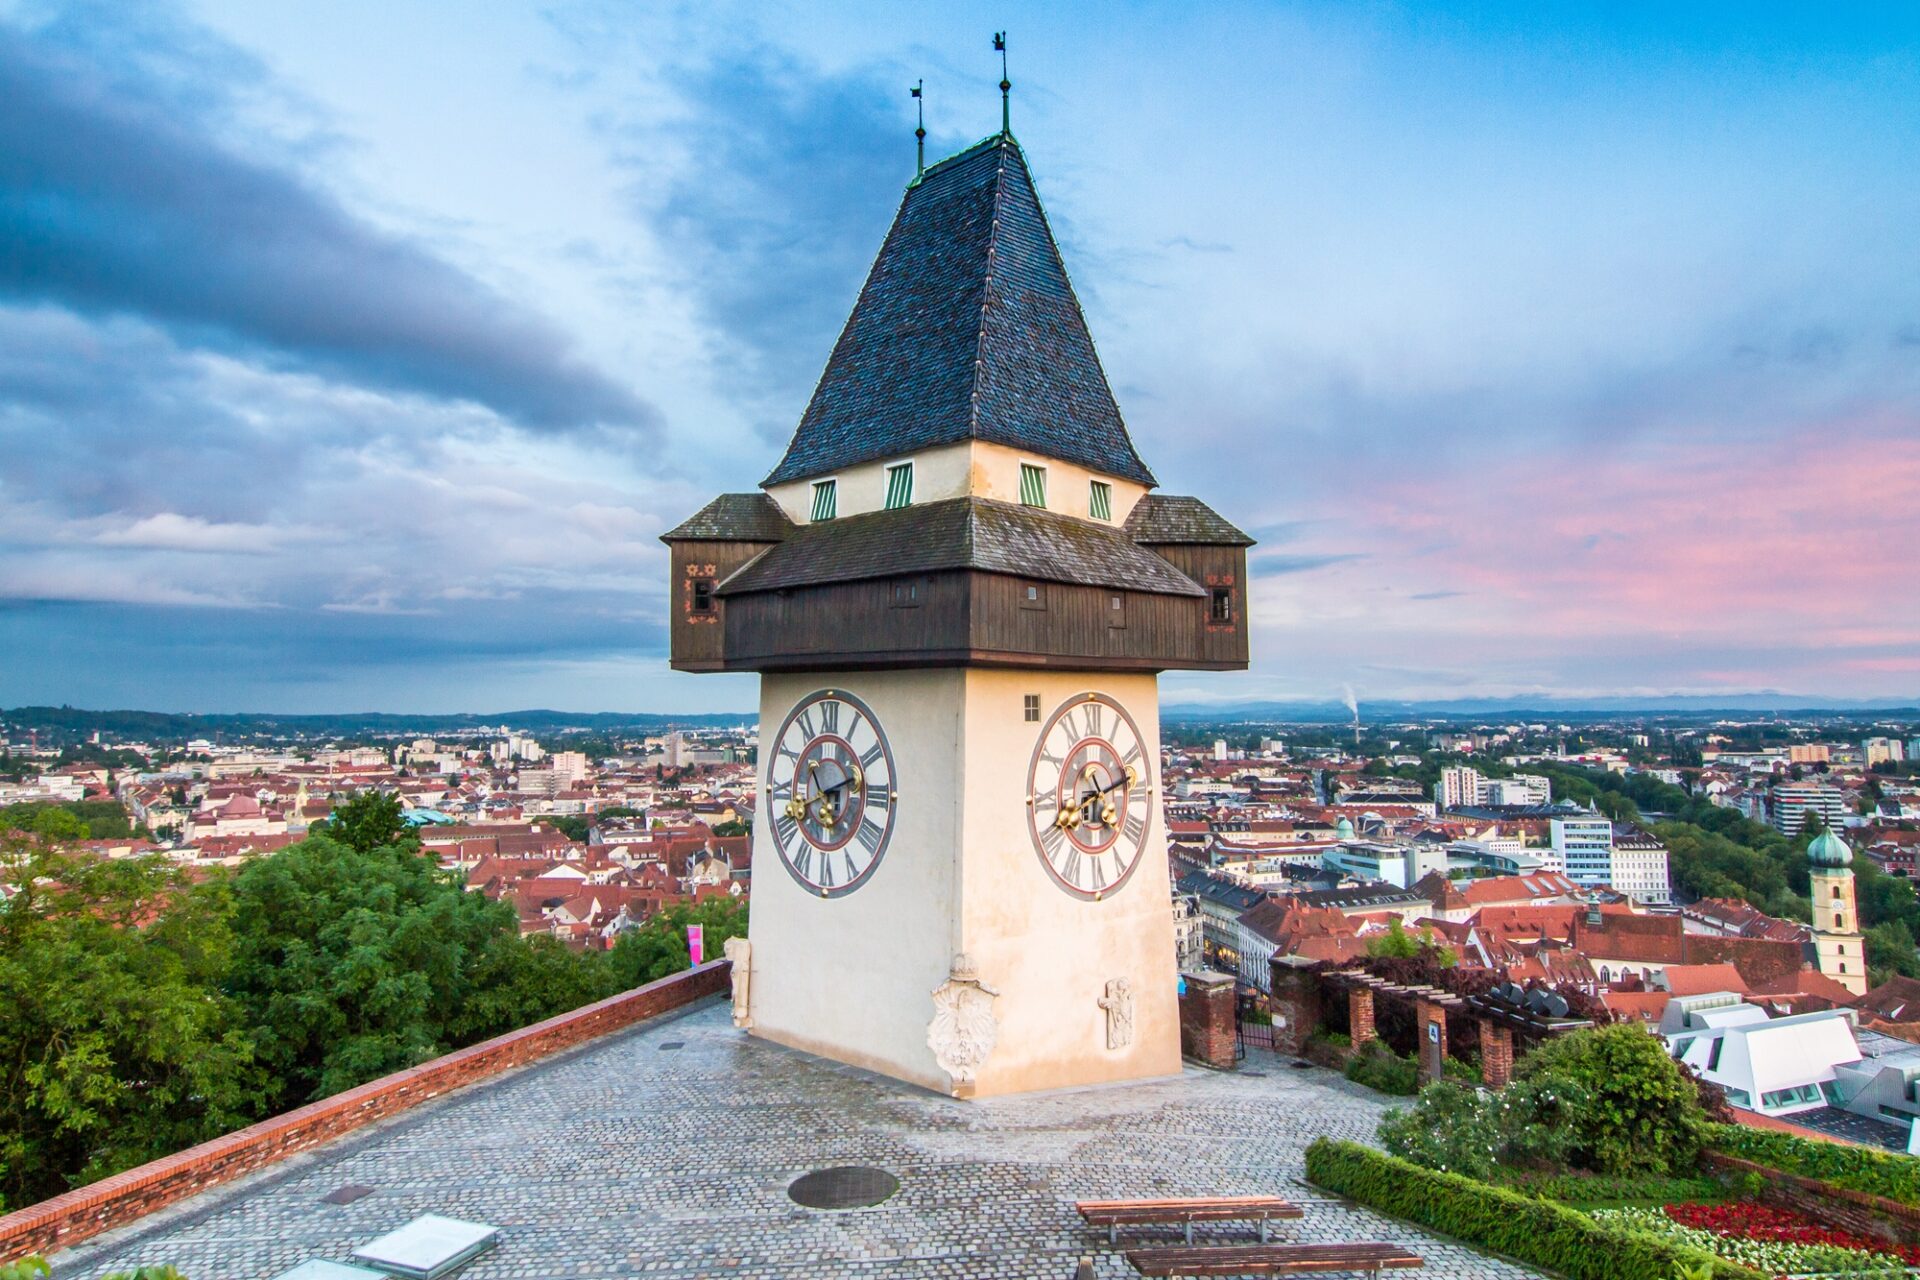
1033	485
899	485
825	499
1100	500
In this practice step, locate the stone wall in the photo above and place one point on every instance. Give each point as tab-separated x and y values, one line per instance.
112	1202
1840	1207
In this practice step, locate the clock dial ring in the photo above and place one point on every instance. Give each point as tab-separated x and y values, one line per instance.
830	793
1090	796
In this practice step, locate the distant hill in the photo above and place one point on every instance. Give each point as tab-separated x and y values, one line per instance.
167	727
1705	707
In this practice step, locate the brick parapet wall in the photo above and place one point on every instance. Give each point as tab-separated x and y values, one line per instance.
111	1202
1842	1207
1294	997
1207	1016
1360	1027
1496	1054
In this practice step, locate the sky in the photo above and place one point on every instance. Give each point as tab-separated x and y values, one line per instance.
354	356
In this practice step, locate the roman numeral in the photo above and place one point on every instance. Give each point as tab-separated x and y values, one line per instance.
806	723
870	835
1050	841
1095	718
876	798
1133	753
829	717
853	872
1136	829
784	830
870	755
1070	869
785	752
780	790
1099	870
1071	725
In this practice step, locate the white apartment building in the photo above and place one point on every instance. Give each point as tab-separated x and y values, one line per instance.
1883	751
1399	865
1640	868
1464	785
1583	849
1793	801
570	766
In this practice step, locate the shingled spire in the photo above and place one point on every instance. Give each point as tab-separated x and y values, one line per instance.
967	329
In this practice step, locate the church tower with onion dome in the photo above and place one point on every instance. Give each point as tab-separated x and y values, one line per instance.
1842	952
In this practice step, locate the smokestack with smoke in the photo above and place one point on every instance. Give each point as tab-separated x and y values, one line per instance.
1353	705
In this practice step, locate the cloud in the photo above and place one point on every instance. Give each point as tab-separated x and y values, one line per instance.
119	198
789	178
171	531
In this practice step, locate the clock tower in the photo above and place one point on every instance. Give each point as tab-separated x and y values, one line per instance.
959	587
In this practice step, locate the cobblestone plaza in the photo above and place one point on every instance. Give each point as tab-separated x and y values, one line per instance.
667	1151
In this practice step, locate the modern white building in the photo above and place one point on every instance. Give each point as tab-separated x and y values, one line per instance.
1793	801
1582	849
1640	867
1883	751
1775	1066
1399	865
1463	785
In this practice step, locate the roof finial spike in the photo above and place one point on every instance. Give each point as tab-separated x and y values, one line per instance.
1006	85
919	131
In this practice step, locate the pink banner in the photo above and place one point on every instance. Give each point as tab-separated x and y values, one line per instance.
696	943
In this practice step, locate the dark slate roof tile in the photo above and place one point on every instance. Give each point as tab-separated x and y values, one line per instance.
733	517
960	533
967	328
1165	520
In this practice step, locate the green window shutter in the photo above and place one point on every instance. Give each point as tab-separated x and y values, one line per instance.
1100	501
900	486
1033	485
823	500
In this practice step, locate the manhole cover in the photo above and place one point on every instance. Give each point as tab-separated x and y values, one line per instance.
346	1194
671	1045
850	1186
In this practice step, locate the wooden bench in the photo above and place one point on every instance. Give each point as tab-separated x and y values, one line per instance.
1270	1259
1114	1214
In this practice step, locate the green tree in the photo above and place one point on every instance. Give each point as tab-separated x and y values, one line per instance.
115	1048
365	822
659	947
351	963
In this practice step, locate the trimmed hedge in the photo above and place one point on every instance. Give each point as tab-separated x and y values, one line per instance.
1539	1232
1880	1173
1600	1188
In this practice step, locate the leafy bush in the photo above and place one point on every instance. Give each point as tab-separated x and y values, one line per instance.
1880	1173
1538	1232
1600	1188
1641	1114
1381	1069
1474	1132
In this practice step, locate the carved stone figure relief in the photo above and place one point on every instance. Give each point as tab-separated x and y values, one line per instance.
963	1031
1118	1002
740	952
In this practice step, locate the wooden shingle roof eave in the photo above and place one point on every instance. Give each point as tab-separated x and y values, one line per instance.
733	517
1160	519
967	533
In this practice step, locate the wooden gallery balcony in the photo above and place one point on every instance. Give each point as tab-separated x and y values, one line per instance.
963	581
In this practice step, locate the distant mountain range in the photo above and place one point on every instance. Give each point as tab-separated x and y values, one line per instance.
168	727
1534	707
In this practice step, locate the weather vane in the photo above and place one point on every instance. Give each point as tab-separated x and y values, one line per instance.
919	131
1006	85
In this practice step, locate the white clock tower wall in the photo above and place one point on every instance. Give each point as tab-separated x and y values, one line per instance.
852	977
1052	954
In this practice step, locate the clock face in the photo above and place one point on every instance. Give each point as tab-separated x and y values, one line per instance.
830	792
1090	796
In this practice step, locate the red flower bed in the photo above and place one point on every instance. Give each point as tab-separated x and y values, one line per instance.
1765	1222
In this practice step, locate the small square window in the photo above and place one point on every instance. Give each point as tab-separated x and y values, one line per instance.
1116	610
1100	500
1032	708
899	485
906	593
1222	608
1033	595
1033	485
701	598
825	499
